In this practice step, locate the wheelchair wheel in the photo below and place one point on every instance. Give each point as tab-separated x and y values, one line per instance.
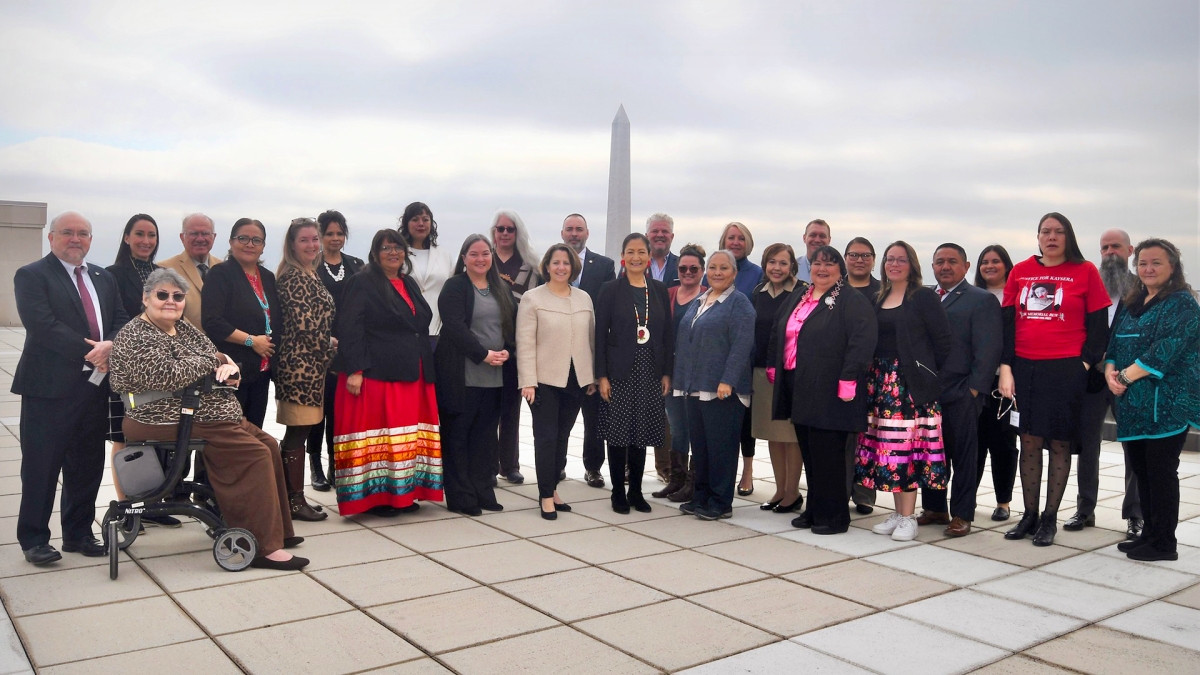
127	528
234	549
114	553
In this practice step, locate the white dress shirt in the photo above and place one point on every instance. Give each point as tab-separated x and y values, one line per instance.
87	281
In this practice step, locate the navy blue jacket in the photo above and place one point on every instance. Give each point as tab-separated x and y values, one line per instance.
716	348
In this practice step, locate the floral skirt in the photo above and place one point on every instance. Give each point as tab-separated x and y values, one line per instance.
901	450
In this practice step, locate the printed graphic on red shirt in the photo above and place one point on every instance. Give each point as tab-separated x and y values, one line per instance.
1052	304
1042	300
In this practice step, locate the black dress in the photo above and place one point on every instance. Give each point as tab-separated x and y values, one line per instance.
623	418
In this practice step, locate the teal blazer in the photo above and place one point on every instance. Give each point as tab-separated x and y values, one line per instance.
1163	338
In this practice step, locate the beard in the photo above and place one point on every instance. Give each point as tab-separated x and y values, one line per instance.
1114	272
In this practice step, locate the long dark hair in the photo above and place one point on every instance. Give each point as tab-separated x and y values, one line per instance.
1178	282
413	210
237	227
1004	258
375	272
501	290
914	272
1073	253
124	254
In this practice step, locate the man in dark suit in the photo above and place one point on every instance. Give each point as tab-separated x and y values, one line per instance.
965	379
597	269
71	311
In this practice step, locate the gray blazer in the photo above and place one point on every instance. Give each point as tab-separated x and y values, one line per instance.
717	348
978	338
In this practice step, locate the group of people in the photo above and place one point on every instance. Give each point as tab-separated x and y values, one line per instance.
408	371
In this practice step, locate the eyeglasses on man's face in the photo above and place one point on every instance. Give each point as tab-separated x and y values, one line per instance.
246	239
200	235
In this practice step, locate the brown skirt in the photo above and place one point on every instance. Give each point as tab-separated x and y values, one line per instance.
245	470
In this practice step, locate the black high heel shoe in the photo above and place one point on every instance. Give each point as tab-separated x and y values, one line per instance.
794	506
548	515
767	506
1028	524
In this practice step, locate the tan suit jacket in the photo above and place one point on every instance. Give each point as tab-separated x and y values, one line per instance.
553	334
184	264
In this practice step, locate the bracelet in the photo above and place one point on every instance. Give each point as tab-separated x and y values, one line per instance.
1122	379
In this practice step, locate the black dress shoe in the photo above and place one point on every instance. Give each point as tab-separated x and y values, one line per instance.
638	502
492	507
788	508
565	508
1079	521
803	521
620	503
42	554
1024	528
1000	514
594	479
290	565
514	477
745	492
1148	553
1135	528
90	548
473	511
292	542
767	506
826	529
1130	544
1047	528
550	515
864	509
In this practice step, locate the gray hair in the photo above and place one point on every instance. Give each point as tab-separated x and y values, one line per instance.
64	214
164	276
727	254
522	245
664	218
197	215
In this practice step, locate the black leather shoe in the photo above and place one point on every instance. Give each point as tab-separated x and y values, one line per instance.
550	515
620	503
565	508
802	521
1148	553
90	548
319	482
1130	544
826	529
514	477
497	507
767	506
1135	528
864	509
1000	514
594	479
42	554
295	563
1079	521
1047	528
638	502
292	542
794	506
1024	528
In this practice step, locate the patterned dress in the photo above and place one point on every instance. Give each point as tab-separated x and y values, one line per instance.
304	347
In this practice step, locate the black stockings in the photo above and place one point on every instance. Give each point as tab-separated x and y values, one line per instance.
1031	473
295	437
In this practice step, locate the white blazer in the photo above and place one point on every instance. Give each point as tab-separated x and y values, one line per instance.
430	269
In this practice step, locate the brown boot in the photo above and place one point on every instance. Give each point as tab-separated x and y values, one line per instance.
293	475
684	494
662	463
678	476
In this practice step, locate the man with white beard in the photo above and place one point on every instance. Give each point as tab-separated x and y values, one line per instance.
1115	251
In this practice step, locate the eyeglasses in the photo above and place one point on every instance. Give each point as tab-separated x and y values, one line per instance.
506	229
689	269
177	296
860	256
246	239
71	234
391	249
895	261
200	235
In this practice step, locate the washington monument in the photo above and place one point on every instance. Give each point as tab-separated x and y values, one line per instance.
619	210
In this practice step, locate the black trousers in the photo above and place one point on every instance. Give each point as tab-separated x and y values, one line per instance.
323	431
593	443
960	435
62	435
715	429
747	439
1155	463
999	438
469	450
825	462
508	458
253	397
1092	412
554	412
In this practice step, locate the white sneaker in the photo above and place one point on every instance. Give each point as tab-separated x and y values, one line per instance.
906	530
888	526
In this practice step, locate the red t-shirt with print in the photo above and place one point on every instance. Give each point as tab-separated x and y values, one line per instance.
1052	305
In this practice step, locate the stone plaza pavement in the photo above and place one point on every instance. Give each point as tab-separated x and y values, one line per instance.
598	592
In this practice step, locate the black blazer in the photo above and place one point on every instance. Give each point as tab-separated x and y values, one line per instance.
923	340
457	343
833	344
130	286
380	335
228	303
977	334
52	313
616	329
597	270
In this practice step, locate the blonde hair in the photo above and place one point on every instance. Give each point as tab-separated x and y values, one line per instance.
289	258
745	233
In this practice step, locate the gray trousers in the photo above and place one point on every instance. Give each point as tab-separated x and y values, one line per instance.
1091	426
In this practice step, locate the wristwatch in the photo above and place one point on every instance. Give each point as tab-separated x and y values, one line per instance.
249	341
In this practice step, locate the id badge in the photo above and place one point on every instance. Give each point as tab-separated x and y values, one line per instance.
1014	418
97	376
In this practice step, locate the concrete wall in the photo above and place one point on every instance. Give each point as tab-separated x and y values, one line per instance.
22	226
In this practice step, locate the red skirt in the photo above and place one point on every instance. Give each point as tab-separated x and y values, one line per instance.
387	446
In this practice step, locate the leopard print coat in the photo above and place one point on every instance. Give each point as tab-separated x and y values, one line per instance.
304	342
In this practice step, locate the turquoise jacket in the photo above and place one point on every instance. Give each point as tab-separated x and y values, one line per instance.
1164	339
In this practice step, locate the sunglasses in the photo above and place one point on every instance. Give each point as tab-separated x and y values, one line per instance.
177	296
245	239
506	229
688	269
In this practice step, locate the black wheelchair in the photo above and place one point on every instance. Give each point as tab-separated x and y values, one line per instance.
151	475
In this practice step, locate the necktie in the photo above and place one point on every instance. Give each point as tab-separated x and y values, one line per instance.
941	292
88	309
203	270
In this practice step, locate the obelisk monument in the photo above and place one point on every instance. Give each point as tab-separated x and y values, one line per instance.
619	208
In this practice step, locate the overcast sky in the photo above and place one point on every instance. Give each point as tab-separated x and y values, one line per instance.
924	121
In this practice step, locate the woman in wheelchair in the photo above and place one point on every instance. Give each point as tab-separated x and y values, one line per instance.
160	351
